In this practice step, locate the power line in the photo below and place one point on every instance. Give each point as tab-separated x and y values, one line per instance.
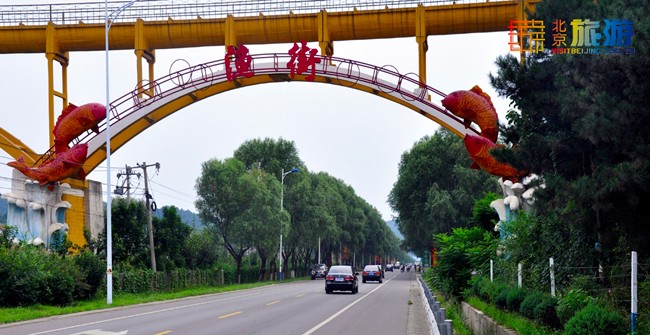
174	190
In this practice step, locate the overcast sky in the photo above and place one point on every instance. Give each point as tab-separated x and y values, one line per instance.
354	136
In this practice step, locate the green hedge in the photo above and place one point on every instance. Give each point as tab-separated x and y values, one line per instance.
29	275
596	320
146	281
576	311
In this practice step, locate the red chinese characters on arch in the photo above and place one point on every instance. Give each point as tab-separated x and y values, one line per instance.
300	62
242	62
302	59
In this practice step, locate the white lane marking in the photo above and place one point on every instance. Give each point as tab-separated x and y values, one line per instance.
147	313
320	325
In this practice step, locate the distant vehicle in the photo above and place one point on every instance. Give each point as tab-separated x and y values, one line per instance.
341	278
371	273
397	264
389	267
318	271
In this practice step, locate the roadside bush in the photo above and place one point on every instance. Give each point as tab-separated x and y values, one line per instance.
514	298
462	251
30	276
571	303
596	320
545	312
25	278
501	298
91	274
58	284
229	273
453	271
531	301
484	289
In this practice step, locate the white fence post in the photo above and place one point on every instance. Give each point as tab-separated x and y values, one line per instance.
519	274
491	271
552	271
634	294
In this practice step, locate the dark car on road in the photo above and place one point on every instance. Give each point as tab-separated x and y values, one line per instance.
389	267
341	278
318	271
371	273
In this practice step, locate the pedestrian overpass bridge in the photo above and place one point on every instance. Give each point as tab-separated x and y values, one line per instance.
147	26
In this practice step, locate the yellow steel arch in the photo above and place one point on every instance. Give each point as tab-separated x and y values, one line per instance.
16	148
140	115
56	32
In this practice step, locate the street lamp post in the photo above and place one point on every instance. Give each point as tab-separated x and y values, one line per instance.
284	174
109	230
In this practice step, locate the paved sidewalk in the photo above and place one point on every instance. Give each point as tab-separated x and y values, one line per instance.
417	323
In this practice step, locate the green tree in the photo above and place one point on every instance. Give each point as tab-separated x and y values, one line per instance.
264	217
171	235
233	203
483	215
275	157
582	123
460	253
129	227
200	250
435	190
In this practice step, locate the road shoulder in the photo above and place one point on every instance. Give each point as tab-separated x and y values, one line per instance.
417	319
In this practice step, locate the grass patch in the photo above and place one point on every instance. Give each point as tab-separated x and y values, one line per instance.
510	320
16	314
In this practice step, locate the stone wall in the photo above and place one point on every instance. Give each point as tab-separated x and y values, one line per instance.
481	324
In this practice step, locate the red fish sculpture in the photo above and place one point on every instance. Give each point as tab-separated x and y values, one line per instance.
475	106
74	120
66	164
479	149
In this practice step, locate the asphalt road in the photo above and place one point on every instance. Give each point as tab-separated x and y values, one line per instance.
287	308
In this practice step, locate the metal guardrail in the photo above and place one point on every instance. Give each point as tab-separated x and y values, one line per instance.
156	10
443	325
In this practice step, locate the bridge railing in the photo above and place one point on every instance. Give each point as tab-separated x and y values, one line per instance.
156	10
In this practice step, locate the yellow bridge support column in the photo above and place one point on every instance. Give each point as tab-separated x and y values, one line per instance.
75	216
423	46
324	42
142	50
53	53
230	36
525	9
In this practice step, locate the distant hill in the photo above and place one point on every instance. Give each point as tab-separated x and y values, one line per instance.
187	217
393	226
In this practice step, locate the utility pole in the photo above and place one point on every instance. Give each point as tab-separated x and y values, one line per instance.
120	189
148	196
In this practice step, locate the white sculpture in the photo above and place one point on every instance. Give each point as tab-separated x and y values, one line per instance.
515	196
35	211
